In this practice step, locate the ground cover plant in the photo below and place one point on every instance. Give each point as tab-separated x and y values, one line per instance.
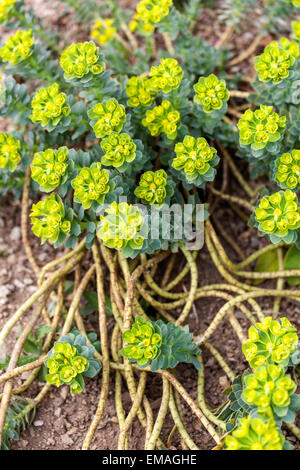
119	147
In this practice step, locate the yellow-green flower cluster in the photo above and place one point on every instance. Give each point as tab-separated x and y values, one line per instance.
118	149
278	213
144	342
6	10
49	105
260	127
17	47
49	167
152	187
211	93
121	227
255	434
139	92
80	59
295	3
270	341
48	219
163	118
91	184
110	117
296	29
167	76
275	62
193	156
9	151
103	31
288	170
267	387
149	13
64	365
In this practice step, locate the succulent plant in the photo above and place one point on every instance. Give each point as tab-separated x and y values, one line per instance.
49	168
9	151
118	149
211	93
7	8
91	184
196	159
149	13
48	219
17	47
167	76
278	216
255	434
69	360
270	341
287	170
139	92
80	60
109	116
275	62
260	127
103	31
152	187
49	105
120	227
162	119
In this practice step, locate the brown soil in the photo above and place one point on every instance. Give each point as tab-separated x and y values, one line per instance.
62	420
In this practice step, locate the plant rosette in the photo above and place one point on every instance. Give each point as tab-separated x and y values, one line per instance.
81	62
155	187
162	119
119	151
275	63
271	341
10	151
159	345
165	77
211	93
51	168
149	13
50	221
103	31
120	228
18	47
49	107
139	91
107	117
195	160
286	170
272	392
92	184
69	360
255	433
261	128
278	216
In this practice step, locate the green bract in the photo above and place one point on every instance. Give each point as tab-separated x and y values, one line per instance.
255	434
270	341
70	359
288	170
49	106
163	118
9	151
159	345
167	76
275	62
49	168
103	31
81	59
268	387
139	92
296	29
144	342
211	93
118	149
110	117
91	184
196	158
149	13
48	219
260	127
17	47
152	187
295	3
278	215
120	227
7	8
